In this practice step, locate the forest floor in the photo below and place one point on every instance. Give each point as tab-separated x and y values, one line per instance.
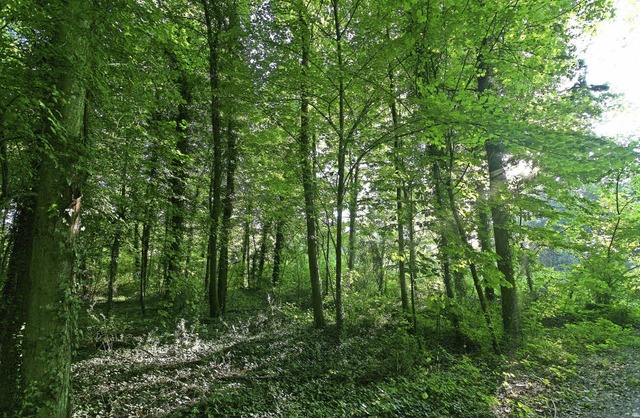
611	385
603	384
272	363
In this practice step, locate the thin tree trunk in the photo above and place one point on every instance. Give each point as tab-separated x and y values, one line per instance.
353	213
500	217
342	148
213	34
526	266
400	217
246	247
443	244
484	232
225	231
115	254
458	278
277	253
136	252
462	234
378	264
412	256
327	267
113	268
254	262
144	263
262	253
308	177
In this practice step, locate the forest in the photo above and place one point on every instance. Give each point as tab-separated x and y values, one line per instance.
313	208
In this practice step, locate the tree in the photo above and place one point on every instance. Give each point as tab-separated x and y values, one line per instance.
305	159
48	321
214	26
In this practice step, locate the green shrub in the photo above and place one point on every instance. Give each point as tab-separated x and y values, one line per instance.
598	335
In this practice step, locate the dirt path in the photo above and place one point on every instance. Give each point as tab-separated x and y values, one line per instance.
607	386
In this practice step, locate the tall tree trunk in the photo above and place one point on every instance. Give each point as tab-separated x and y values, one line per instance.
277	252
412	255
115	253
144	263
443	242
253	283
353	213
342	149
12	309
443	245
377	250
462	235
500	216
178	187
400	217
246	244
136	252
113	268
214	26
262	253
484	232
49	319
308	177
225	231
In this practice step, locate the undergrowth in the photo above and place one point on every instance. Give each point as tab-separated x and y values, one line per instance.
271	362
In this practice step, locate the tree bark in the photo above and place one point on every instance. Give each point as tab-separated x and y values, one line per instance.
214	26
144	263
113	268
500	216
115	252
484	233
12	309
462	235
136	252
48	322
277	253
246	247
342	149
502	239
400	217
178	187
308	176
262	252
353	214
378	252
225	230
412	256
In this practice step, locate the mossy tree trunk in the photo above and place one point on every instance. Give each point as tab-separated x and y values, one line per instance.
49	309
178	187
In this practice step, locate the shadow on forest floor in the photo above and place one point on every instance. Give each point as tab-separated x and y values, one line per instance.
273	363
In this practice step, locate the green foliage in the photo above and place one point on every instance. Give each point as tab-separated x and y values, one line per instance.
458	389
104	333
146	160
597	336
